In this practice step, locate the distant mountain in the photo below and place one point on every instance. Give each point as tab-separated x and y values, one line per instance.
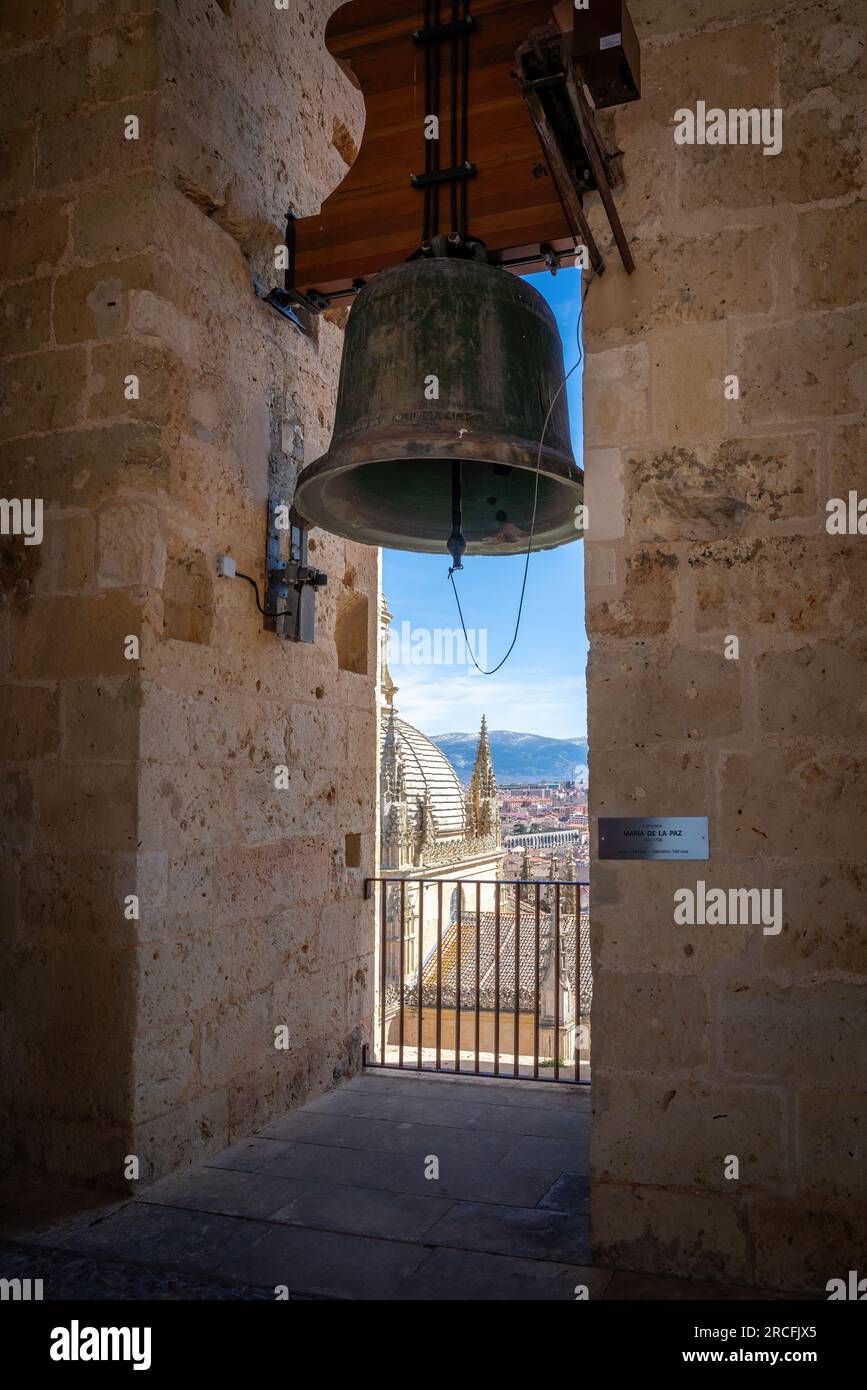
517	757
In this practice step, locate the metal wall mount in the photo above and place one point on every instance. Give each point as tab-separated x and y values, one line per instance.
291	583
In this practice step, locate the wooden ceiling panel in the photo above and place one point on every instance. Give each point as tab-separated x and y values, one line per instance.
374	218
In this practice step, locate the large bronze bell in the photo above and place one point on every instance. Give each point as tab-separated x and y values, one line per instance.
409	469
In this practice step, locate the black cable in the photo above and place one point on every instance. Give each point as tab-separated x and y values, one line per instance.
572	369
426	223
465	70
453	118
286	613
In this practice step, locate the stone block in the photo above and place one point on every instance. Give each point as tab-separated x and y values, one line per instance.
67	556
187	804
101	719
93	809
237	1036
807	1034
66	638
53	82
155	317
181	980
33	237
190	883
29	722
75	895
93	301
644	606
649	781
86	16
687	371
25	316
815	689
669	1022
633	917
666	1132
81	468
665	695
821	50
41	391
811	366
831	273
832	1146
128	217
272	948
801	1247
255	882
16	809
719	489
165	1070
603	494
252	732
823	927
93	146
131	549
847	459
734	66
679	280
25	24
797	585
819	159
126	59
190	1133
663	1232
793	803
616	396
17	159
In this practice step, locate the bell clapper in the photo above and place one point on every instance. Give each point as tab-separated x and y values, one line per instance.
456	544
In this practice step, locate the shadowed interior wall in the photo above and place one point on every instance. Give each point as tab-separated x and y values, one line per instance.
707	520
155	777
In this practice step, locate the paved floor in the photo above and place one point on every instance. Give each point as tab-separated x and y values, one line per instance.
394	1186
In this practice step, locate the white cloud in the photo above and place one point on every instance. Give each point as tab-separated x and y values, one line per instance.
443	700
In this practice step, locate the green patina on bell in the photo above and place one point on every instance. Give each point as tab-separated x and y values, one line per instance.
492	344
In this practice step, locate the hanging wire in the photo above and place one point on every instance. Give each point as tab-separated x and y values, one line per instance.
560	388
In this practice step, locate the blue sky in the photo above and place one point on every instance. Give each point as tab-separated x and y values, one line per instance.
541	689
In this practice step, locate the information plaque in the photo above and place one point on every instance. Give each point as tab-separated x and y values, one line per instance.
653	837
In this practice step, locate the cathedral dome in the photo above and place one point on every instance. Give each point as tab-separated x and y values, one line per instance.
428	775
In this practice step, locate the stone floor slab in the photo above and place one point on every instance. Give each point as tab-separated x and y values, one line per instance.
324	1264
364	1211
391	1137
168	1237
469	1180
562	1155
538	1234
465	1276
225	1191
571	1192
461	1112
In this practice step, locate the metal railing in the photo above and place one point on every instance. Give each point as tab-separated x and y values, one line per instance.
493	982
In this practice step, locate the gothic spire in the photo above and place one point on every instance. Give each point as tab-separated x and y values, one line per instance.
483	804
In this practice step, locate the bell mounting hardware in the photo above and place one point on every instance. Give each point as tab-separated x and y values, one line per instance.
514	151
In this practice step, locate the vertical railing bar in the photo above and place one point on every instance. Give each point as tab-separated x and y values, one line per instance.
402	984
517	1001
478	963
458	995
497	980
557	982
383	980
536	1012
439	971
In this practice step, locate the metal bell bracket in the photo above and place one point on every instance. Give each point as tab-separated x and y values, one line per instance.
291	584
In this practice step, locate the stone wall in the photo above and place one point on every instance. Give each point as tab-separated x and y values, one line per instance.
707	520
154	777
